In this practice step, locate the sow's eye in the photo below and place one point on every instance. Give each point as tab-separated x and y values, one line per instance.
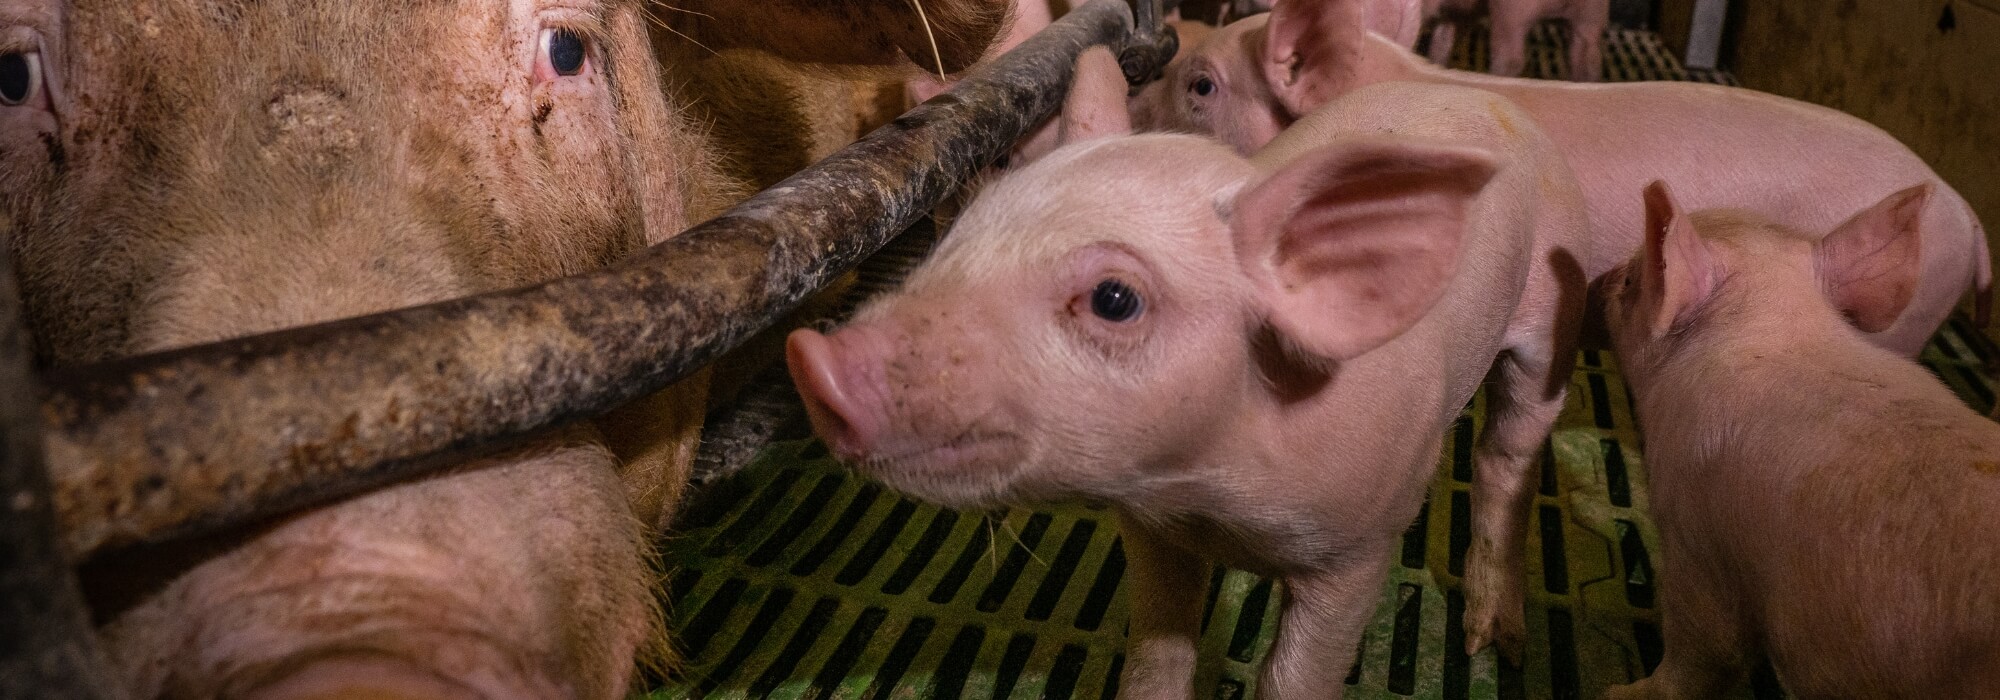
1115	301
20	77
562	52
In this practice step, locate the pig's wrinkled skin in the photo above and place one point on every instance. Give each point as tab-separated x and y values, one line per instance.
1821	501
1511	20
185	171
1793	162
1313	320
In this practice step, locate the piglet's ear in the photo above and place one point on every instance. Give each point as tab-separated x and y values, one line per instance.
1307	44
1869	264
1095	107
1350	245
1679	271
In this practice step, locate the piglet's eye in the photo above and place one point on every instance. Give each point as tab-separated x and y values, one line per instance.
1116	302
565	51
20	77
1202	86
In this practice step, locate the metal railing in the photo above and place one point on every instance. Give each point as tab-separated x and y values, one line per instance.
193	441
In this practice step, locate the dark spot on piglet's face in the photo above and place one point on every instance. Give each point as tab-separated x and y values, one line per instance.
57	157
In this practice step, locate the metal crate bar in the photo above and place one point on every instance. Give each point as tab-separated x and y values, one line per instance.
190	441
50	648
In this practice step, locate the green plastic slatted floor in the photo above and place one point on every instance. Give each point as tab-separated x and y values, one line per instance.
796	579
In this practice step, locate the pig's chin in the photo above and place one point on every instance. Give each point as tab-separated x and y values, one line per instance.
974	470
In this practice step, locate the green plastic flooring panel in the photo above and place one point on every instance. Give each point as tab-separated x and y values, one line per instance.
795	578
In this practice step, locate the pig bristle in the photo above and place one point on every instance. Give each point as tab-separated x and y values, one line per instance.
992	545
661	23
1017	540
656	656
696	13
936	55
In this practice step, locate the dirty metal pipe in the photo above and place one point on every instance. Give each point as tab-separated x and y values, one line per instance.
1153	43
190	441
49	649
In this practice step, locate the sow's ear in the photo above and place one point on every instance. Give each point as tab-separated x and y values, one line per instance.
1348	246
1307	45
1677	272
1869	264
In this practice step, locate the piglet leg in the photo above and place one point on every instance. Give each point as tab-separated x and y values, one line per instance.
1586	40
1518	418
1320	630
1511	23
1443	36
1168	586
1522	404
1707	651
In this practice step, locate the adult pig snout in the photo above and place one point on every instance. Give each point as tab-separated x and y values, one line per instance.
840	382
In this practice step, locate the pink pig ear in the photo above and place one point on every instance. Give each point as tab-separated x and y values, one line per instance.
1869	264
1679	271
1350	245
1307	45
1095	107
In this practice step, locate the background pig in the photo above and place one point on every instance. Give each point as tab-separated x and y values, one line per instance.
181	171
1509	22
1820	501
1789	161
1253	360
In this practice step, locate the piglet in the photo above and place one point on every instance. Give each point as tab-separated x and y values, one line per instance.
1797	163
1820	500
1254	360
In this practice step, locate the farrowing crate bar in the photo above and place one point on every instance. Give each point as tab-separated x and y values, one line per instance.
158	447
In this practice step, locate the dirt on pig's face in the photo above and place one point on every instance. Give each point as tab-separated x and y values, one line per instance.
1081	332
189	170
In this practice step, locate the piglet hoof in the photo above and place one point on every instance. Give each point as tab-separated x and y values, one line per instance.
1485	625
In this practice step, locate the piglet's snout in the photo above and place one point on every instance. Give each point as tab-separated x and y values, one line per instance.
362	676
841	383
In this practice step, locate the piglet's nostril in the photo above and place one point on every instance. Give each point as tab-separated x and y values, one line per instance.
825	383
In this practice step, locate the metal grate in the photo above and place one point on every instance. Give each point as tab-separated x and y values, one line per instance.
797	579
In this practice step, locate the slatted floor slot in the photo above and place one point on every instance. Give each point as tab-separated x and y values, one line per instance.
797	579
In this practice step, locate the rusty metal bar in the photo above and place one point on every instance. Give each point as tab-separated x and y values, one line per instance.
167	445
47	647
1153	43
